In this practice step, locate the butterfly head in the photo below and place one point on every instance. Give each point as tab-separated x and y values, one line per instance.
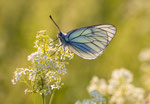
61	36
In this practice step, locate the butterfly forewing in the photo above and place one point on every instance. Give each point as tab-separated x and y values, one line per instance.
75	33
90	42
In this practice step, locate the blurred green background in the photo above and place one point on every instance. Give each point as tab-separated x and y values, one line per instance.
21	19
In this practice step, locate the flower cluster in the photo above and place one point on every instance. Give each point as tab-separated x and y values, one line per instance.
96	98
144	55
144	58
47	66
119	89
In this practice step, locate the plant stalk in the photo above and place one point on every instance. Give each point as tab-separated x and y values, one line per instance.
52	96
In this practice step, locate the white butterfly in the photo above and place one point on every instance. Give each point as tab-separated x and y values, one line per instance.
87	42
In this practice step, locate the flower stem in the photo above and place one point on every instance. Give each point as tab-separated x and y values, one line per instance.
43	92
43	97
51	98
48	98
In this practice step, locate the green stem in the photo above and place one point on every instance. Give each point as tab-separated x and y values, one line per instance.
43	97
47	98
43	92
52	96
34	98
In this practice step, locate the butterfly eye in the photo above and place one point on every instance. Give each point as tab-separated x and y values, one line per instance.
60	34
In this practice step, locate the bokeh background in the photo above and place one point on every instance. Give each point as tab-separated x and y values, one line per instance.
21	19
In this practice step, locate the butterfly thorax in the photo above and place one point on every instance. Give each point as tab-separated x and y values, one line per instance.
63	38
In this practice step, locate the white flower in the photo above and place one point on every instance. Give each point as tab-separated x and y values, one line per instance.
113	86
136	95
18	76
35	55
117	100
78	102
13	81
119	89
55	87
122	75
32	75
42	32
25	91
98	84
92	87
144	55
46	71
96	98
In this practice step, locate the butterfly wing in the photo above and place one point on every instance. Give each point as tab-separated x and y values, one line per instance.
90	42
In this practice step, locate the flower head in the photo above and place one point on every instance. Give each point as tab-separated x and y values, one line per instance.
96	98
46	69
119	89
144	55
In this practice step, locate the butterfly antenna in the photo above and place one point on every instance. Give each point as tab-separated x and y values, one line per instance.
54	23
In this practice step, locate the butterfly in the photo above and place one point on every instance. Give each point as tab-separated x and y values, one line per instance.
87	42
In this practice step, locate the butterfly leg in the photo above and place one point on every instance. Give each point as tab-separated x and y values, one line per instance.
56	50
54	40
63	54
